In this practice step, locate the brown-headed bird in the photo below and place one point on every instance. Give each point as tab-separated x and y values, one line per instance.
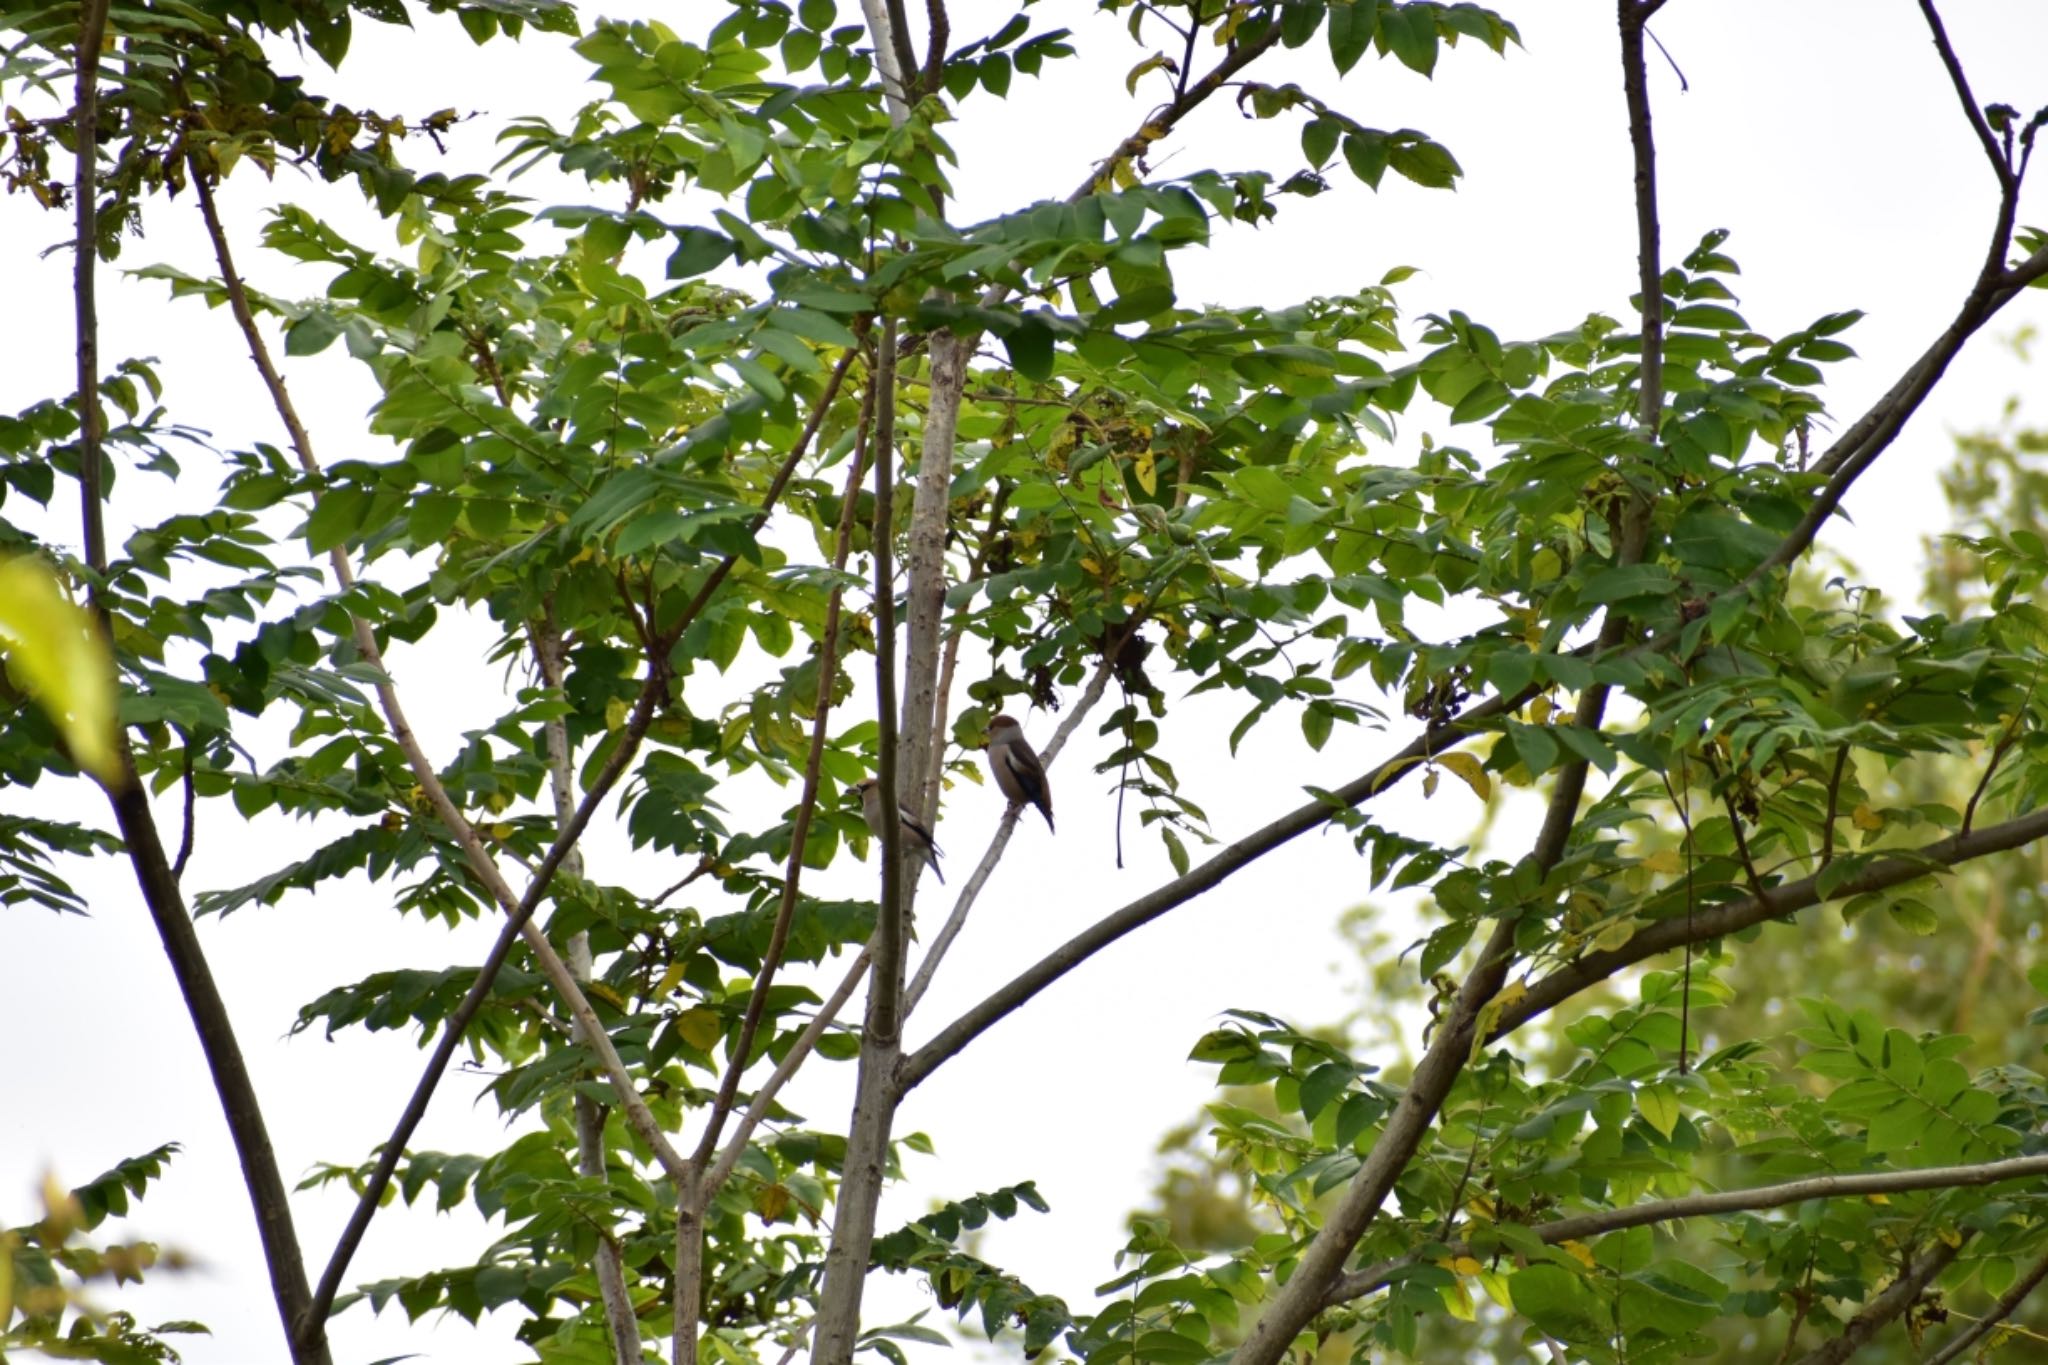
1017	769
916	837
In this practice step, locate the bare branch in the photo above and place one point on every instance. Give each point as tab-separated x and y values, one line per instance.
1904	1292
1162	121
1005	827
190	799
892	54
2008	1304
1007	999
2008	182
875	1097
800	829
806	1043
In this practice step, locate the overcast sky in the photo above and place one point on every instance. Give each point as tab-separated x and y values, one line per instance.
1823	134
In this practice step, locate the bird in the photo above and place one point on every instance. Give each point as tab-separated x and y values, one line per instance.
1017	769
916	837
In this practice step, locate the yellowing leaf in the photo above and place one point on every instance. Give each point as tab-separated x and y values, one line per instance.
615	713
1458	1299
1152	63
1658	1105
1466	1265
1615	935
57	653
1496	1286
771	1202
1147	472
1541	710
1863	817
1467	770
1665	862
670	979
1580	1251
1950	1236
700	1028
1429	780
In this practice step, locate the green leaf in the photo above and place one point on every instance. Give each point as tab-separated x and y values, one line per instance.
337	517
1030	348
1365	152
1410	31
1319	137
312	333
698	250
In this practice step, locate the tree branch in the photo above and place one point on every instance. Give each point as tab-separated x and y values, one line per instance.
154	875
550	657
2008	182
2008	1304
1776	902
1902	1294
694	1194
519	910
1322	1262
764	1098
1005	827
1856	1185
875	1095
1007	999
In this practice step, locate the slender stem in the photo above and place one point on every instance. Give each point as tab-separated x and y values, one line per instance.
875	1093
190	795
1322	1262
1827	829
85	237
154	874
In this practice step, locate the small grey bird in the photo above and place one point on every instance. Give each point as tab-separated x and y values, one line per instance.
1017	769
916	837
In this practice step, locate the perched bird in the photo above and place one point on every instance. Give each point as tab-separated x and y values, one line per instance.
916	837
1017	769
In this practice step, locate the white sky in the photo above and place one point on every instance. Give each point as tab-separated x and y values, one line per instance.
1823	134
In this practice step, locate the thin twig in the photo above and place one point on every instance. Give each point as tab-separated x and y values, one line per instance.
550	658
807	803
190	801
2007	181
1827	828
1007	825
764	1098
